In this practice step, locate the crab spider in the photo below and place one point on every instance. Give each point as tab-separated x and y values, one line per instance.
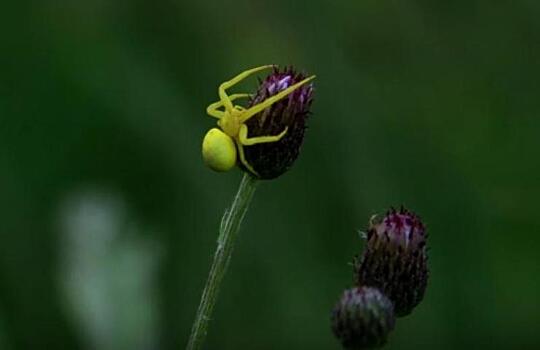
220	145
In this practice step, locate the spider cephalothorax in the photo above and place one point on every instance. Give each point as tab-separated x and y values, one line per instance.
220	145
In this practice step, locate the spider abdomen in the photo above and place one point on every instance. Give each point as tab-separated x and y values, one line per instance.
219	150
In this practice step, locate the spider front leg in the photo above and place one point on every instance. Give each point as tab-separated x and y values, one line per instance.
249	141
223	95
213	111
273	99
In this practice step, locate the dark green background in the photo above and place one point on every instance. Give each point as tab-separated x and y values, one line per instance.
431	104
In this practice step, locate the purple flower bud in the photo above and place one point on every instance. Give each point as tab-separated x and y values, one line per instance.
272	159
395	259
363	318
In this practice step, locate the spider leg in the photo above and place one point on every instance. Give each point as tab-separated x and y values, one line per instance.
249	141
223	95
243	158
212	110
273	99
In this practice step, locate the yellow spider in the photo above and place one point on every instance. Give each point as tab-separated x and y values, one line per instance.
218	148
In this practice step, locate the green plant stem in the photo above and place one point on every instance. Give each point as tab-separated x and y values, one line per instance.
228	231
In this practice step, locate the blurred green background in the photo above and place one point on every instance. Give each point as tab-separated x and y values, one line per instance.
108	217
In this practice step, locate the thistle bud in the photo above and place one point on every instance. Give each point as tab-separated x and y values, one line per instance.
272	159
395	260
363	318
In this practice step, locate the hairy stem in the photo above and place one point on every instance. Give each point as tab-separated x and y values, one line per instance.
228	231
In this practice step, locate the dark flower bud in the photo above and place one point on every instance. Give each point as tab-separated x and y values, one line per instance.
363	318
395	260
270	160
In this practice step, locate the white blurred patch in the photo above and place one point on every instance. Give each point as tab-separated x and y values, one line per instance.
107	273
